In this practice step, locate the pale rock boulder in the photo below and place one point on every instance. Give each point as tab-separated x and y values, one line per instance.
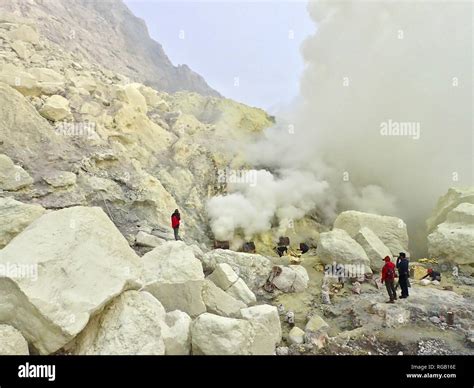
454	197
25	33
296	336
92	109
392	315
12	342
12	177
74	261
153	98
16	216
85	83
177	333
215	335
239	290
130	325
338	247
175	277
21	50
49	81
316	323
131	95
252	268
453	240
375	249
60	179
223	276
148	240
391	230
20	80
266	315
56	108
293	278
219	302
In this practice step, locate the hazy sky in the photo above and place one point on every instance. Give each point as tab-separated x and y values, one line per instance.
247	50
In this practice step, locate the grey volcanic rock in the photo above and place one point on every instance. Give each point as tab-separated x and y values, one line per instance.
108	33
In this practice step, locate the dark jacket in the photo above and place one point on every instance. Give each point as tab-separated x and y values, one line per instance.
403	267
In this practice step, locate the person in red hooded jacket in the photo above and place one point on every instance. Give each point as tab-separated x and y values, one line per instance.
175	220
388	277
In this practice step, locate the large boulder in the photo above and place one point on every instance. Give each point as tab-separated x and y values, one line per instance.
144	239
223	276
12	342
338	247
239	290
131	95
448	202
252	268
391	230
56	108
20	80
12	177
24	33
49	81
66	266
266	315
375	249
130	325
15	217
453	240
177	333
219	302
215	335
175	277
293	278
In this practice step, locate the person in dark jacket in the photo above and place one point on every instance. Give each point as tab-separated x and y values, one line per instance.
175	221
388	277
434	275
403	274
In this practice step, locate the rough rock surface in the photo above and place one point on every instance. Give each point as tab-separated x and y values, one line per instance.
240	291
293	278
453	240
175	277
296	336
223	276
266	315
215	335
338	247
252	268
375	249
64	267
12	177
219	302
12	342
15	217
177	333
448	202
391	230
130	325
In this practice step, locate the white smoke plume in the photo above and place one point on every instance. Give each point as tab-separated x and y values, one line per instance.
383	123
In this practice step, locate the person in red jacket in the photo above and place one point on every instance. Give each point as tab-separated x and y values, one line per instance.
175	220
388	277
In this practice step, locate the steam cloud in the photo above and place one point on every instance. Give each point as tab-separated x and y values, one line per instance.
383	123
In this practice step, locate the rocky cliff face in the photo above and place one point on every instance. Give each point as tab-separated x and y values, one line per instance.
107	33
76	133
